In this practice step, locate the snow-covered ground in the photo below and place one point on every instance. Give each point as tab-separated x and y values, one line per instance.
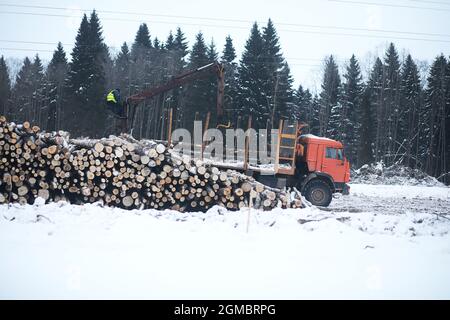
379	242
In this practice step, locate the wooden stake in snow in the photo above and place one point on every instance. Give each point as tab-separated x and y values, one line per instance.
250	204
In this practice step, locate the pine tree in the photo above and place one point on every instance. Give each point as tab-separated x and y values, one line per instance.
345	116
435	118
231	79
252	99
5	87
329	97
409	125
56	75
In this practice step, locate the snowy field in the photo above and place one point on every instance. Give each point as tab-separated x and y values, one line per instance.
379	242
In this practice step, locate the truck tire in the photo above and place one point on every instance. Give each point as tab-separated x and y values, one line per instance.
318	192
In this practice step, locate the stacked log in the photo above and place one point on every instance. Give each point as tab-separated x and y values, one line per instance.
119	171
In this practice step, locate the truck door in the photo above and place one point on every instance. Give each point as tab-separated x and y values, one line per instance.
333	163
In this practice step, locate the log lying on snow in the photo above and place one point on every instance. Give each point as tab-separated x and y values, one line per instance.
120	171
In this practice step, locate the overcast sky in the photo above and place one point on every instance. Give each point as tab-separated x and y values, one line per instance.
308	30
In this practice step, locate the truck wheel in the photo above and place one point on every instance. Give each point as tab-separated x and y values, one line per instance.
318	192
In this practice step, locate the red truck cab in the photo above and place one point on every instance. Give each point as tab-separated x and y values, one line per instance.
323	168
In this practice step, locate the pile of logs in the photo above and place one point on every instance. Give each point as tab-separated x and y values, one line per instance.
120	171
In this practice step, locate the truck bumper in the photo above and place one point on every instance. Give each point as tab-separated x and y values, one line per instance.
346	190
341	187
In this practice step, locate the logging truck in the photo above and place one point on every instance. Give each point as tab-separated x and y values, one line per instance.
316	166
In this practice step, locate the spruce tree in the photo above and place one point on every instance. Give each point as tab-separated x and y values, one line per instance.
252	99
170	42
229	52
5	87
277	80
329	97
37	71
283	95
23	91
198	92
141	68
409	125
303	101
156	44
376	87
56	75
446	171
37	101
345	116
435	118
177	48
366	128
231	80
392	104
213	56
87	81
181	46
314	122
122	66
142	42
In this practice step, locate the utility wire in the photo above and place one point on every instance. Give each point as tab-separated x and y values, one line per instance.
261	62
67	44
23	49
388	5
239	27
432	2
227	20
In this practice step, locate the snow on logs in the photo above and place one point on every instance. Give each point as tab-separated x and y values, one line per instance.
120	171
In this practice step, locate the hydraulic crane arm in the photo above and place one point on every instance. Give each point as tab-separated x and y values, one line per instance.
188	76
213	68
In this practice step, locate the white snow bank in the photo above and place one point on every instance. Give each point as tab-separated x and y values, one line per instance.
378	173
394	191
67	251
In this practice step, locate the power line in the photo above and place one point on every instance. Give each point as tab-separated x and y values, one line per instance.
224	19
23	49
261	62
388	5
67	44
35	42
432	2
240	27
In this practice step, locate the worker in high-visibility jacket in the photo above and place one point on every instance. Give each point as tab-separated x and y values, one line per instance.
113	103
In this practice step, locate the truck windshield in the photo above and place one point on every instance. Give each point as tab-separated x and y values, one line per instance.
334	153
340	154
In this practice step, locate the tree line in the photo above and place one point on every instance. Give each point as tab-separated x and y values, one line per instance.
394	116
